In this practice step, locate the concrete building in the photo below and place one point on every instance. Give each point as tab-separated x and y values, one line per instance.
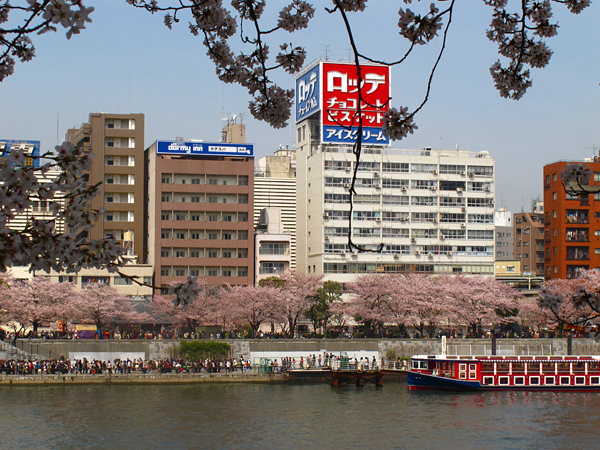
198	219
117	141
271	245
572	222
40	209
503	221
275	187
432	211
529	242
124	286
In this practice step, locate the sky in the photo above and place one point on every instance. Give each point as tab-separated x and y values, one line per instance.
128	61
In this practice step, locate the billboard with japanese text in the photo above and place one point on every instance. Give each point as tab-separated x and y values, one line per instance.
31	150
307	93
339	97
203	148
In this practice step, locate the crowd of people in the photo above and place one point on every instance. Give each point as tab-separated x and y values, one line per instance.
65	366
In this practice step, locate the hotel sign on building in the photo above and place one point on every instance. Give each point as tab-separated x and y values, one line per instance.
332	89
204	148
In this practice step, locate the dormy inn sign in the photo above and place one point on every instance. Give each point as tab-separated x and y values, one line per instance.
332	89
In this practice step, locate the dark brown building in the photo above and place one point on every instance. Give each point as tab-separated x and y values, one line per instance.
117	142
529	242
200	209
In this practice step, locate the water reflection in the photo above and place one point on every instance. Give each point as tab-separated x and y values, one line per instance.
282	416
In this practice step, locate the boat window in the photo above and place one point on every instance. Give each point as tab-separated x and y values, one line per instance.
548	367
579	380
519	380
564	367
593	366
502	367
518	367
565	380
472	367
533	367
534	381
423	364
488	380
462	367
415	364
503	380
548	380
594	380
487	367
579	367
462	375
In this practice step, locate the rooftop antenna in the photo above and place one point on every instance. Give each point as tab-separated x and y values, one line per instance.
326	51
57	126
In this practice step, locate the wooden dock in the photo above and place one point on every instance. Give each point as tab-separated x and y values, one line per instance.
358	377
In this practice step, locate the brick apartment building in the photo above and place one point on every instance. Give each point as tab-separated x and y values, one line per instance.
572	224
117	142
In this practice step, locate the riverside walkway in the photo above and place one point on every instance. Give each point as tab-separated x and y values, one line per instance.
139	378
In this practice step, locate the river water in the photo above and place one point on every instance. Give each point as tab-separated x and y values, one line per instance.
256	416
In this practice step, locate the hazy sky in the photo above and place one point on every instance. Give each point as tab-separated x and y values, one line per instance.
128	61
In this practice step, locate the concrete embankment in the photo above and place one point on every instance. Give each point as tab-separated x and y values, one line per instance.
108	350
137	379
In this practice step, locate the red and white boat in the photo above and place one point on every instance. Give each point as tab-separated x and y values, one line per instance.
499	373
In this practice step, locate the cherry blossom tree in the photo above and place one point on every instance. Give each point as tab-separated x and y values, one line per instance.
101	304
478	300
574	301
252	305
370	300
37	302
297	288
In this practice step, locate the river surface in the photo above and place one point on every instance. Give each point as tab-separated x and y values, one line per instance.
256	416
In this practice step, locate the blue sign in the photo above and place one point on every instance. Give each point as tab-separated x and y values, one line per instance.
31	150
307	94
342	135
203	148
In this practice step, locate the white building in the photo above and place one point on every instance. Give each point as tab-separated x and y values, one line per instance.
431	211
272	245
275	187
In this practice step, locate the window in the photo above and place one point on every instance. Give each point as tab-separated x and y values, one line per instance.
180	234
242	272
180	271
194	253
212	271
165	271
195	217
165	215
272	248
271	267
122	281
85	280
195	199
165	252
165	234
212	253
213	199
195	234
212	234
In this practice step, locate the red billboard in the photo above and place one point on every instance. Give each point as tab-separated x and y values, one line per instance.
339	97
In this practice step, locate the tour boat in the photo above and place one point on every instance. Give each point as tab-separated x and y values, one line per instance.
499	373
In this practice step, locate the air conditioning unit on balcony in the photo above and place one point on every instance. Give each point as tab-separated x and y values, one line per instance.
347	185
326	215
433	188
463	225
462	172
486	189
377	219
413	240
376	175
430	255
326	238
403	219
377	186
434	172
449	253
396	255
417	252
463	209
459	189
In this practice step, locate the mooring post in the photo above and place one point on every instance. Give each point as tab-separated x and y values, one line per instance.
493	344
569	344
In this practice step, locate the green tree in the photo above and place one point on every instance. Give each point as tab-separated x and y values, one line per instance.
196	350
319	311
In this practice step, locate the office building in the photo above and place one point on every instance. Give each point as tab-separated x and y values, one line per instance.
503	221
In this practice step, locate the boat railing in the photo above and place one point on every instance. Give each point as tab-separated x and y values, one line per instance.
501	350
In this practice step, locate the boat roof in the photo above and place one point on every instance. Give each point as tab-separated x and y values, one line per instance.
507	358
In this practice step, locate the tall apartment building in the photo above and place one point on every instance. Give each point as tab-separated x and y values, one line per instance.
271	245
503	221
199	211
572	228
529	242
275	187
117	142
433	210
